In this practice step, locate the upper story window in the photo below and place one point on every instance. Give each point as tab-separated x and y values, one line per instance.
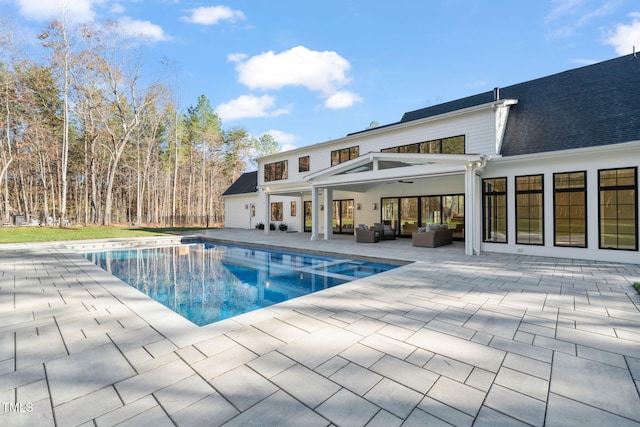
344	155
276	171
452	145
303	164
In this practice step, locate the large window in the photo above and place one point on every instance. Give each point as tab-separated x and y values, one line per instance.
618	213
570	206
530	210
276	171
344	155
494	210
303	164
452	145
276	211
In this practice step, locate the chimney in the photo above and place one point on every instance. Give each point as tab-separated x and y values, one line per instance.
496	94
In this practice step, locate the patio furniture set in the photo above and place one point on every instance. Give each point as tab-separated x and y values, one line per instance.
431	236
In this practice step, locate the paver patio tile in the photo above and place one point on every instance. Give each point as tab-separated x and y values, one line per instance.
258	341
316	388
394	397
183	393
396	332
362	355
190	354
306	351
129	339
563	412
419	357
494	323
404	373
528	366
82	373
347	409
271	364
457	395
126	412
577	379
32	392
279	409
516	405
487	417
601	356
87	407
459	349
523	349
419	418
331	366
384	419
387	345
222	362
39	415
445	412
211	411
215	345
300	321
449	367
154	416
243	387
480	379
150	381
449	328
160	348
280	330
356	378
523	383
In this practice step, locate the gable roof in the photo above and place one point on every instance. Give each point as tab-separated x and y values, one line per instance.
246	183
585	107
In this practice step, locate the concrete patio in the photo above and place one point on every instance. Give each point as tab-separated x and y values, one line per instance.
446	340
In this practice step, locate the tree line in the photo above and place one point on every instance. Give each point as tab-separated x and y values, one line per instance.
87	138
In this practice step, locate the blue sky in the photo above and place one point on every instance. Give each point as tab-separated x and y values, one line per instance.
311	71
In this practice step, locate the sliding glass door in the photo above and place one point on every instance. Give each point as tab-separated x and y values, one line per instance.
343	216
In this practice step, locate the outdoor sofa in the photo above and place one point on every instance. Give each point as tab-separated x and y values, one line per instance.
432	236
365	234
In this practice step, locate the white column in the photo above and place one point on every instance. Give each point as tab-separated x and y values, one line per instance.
328	214
267	213
315	213
300	209
469	210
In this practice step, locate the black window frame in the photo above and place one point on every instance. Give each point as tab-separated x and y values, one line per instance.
344	155
494	195
276	171
570	190
304	164
426	147
617	187
529	191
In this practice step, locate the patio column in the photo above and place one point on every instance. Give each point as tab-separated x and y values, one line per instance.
267	212
315	213
328	214
300	213
472	209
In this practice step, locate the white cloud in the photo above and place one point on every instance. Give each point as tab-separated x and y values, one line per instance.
625	37
117	8
283	138
144	29
247	106
44	10
570	15
236	57
212	15
299	66
342	99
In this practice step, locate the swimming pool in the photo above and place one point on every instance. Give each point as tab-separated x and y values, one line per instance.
208	282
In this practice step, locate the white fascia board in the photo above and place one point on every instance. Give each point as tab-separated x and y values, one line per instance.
631	147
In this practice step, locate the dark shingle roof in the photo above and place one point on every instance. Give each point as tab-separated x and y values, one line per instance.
585	107
245	184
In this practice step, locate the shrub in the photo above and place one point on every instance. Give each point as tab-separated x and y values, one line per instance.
272	226
260	226
282	227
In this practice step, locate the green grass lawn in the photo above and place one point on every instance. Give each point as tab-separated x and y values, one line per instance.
27	234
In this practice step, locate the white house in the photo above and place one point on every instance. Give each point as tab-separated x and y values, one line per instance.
544	167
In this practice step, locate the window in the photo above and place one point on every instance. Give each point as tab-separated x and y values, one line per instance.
570	207
344	155
494	210
293	209
276	171
452	145
530	210
303	164
276	211
618	212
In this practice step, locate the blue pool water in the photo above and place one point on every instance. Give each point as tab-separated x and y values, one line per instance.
206	282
